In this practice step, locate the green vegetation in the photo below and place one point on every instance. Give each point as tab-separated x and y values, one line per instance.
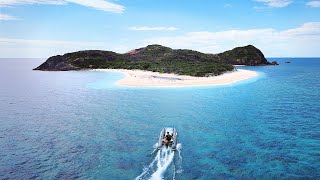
154	58
176	67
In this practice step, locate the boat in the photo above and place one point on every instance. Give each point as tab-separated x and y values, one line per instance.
162	138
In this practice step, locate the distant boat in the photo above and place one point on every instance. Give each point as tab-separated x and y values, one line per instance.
168	138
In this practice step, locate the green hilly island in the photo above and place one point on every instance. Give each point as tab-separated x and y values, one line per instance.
158	58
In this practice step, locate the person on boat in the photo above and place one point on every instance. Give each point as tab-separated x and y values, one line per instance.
167	139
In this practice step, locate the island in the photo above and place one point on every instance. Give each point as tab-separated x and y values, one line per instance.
156	65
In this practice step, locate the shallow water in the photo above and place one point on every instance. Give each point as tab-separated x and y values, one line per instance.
66	125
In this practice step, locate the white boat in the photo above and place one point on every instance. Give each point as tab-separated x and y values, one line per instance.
163	140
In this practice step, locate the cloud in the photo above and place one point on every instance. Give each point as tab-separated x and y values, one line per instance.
6	17
228	5
299	41
43	43
144	28
13	47
310	28
96	4
313	4
275	3
8	3
100	5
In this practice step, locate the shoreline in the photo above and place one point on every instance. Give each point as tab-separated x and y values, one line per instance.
139	78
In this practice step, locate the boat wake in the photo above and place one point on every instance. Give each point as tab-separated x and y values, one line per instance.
165	165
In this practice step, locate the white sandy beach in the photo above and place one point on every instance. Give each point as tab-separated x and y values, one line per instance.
138	78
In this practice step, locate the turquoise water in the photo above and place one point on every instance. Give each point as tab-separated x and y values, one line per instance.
66	125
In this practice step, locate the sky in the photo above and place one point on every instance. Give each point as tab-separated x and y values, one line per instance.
42	28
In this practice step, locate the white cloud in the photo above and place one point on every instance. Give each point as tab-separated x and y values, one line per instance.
144	28
11	47
275	3
310	28
6	17
102	5
300	41
29	2
43	43
313	4
228	5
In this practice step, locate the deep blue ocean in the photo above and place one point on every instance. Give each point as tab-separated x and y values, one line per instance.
77	124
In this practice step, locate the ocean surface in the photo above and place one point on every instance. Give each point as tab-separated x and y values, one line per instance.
78	125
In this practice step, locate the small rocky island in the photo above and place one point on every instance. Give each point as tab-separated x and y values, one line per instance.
159	58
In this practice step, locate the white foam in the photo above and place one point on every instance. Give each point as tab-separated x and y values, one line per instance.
164	159
179	161
160	164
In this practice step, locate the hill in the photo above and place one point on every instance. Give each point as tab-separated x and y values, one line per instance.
158	58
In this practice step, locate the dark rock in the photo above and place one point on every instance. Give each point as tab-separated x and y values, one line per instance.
287	62
274	63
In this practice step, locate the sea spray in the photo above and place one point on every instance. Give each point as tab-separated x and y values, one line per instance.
178	163
164	160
